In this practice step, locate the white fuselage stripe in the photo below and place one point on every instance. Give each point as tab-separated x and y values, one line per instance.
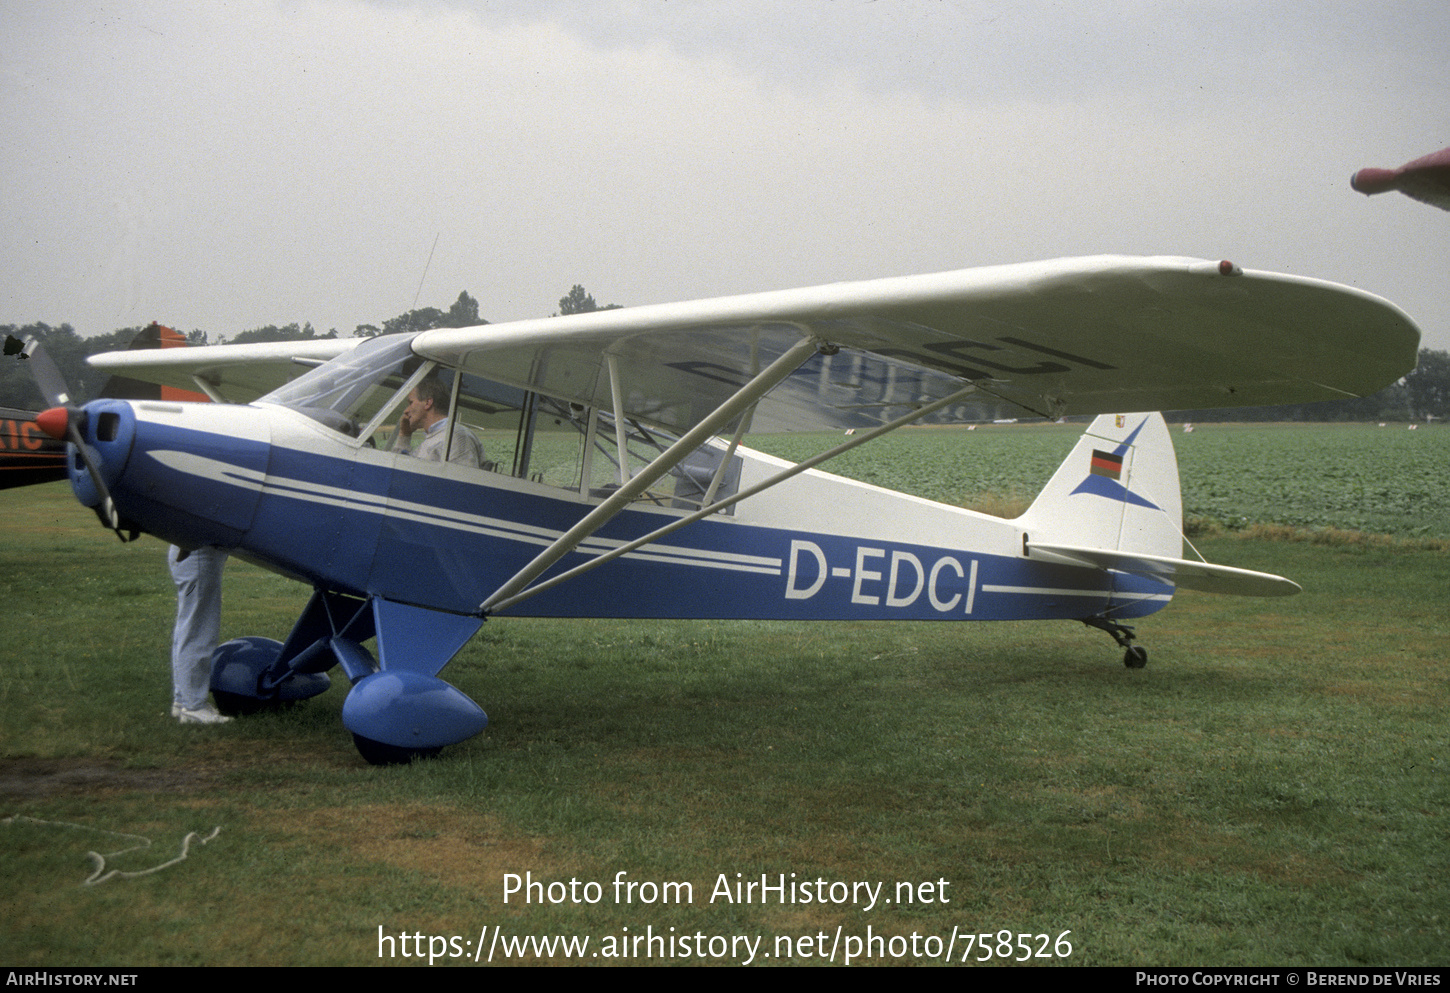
1049	591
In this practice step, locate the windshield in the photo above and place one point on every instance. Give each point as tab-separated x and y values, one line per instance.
355	385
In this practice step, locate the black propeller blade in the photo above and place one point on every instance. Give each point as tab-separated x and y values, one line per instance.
45	373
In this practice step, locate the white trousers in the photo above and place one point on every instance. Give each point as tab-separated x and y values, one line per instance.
198	579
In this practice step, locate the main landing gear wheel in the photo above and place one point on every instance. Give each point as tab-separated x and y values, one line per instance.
398	715
1135	657
246	679
378	753
237	705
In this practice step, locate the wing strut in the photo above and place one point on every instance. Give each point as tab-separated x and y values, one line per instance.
210	390
761	384
620	430
496	604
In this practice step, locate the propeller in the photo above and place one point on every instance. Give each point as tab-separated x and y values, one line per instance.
64	421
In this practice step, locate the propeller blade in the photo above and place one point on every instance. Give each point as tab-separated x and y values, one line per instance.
106	509
46	374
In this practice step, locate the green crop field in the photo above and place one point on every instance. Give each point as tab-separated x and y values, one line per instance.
1271	789
1386	480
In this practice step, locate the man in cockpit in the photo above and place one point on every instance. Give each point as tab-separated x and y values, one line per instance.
427	411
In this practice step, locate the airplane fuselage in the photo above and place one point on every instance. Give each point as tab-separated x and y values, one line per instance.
291	494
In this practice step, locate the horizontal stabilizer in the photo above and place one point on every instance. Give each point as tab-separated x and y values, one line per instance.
1181	572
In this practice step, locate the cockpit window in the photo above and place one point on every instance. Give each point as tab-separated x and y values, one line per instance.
518	432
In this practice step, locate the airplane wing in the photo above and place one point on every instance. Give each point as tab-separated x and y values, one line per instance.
226	373
1072	336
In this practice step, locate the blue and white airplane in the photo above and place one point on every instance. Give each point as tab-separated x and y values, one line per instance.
613	482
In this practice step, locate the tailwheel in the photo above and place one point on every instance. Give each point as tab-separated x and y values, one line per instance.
379	753
1134	656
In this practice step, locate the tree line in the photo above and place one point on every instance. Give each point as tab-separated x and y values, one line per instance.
1424	393
70	350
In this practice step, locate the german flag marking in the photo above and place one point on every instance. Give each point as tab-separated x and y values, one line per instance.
1106	464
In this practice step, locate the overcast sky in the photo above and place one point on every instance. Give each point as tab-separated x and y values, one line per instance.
234	164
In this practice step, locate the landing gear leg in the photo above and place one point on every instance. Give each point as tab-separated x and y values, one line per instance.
1134	656
398	709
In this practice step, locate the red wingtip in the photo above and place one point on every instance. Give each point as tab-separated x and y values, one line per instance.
53	422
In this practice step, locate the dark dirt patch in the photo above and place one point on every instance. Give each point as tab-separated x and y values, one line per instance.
35	778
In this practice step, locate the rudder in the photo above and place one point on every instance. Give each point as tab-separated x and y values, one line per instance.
1117	489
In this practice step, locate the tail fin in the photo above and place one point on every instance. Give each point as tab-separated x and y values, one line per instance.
153	335
1117	490
1114	504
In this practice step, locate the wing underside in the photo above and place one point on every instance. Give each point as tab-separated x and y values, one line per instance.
1077	336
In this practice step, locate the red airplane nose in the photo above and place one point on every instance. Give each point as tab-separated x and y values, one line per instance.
53	422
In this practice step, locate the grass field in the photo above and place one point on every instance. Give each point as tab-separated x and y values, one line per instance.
1271	789
1349	476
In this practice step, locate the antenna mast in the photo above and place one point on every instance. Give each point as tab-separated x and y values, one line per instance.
426	265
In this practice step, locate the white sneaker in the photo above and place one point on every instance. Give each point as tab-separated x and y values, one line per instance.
205	714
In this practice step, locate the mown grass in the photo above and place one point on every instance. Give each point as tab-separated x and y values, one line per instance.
1270	789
